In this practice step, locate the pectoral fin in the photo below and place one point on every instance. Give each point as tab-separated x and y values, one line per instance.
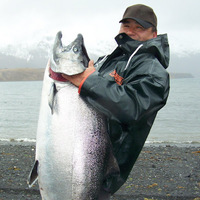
33	176
52	93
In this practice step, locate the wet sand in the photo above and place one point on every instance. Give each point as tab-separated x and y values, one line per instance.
161	172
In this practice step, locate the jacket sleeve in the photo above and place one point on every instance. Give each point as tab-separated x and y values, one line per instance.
129	102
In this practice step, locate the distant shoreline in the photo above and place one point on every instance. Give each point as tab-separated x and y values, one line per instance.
37	74
22	74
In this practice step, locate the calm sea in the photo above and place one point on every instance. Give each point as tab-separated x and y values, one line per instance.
177	122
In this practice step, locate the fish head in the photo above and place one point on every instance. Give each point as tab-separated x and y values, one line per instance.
71	59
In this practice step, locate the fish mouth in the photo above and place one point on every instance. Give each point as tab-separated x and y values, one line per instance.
56	76
86	57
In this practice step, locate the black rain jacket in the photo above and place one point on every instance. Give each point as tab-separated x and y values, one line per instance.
129	86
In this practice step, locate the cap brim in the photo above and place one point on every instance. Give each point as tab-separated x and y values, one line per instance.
139	21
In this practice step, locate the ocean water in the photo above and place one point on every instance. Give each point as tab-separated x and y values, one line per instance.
177	123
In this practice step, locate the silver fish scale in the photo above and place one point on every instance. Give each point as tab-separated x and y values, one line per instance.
74	150
92	147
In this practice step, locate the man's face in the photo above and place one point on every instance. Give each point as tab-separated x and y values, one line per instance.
136	31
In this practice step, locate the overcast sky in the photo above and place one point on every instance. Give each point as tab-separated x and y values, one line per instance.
28	21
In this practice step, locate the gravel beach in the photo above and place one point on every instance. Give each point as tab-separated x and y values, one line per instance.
161	172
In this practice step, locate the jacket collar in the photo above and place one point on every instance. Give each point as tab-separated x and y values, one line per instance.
158	46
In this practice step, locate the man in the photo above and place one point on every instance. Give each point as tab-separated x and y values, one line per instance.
129	86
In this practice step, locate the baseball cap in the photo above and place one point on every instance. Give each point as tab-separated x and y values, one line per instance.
142	14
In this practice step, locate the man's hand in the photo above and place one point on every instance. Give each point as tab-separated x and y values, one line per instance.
76	79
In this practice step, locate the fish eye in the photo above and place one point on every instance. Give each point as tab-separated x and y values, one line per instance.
75	49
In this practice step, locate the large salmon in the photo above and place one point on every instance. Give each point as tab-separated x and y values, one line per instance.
73	151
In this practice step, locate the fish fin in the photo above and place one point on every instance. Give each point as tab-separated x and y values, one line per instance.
33	176
112	165
52	93
112	174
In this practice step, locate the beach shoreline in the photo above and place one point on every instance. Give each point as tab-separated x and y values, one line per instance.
32	142
162	171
